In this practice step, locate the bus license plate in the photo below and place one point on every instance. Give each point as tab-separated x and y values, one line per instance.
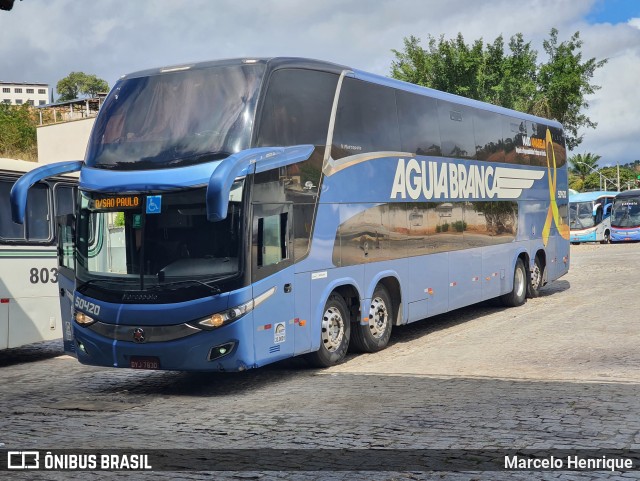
144	363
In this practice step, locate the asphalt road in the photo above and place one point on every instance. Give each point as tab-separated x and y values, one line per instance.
561	372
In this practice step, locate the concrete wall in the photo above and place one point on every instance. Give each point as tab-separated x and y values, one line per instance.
64	141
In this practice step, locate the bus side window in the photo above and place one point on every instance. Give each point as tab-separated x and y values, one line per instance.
456	130
64	199
38	213
514	133
8	229
418	120
487	131
297	108
598	214
366	120
272	234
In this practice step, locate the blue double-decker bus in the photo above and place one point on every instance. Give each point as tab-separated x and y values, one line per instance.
625	217
235	213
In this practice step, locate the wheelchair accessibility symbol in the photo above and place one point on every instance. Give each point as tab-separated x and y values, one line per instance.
154	204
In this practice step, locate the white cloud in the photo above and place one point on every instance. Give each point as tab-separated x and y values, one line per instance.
44	40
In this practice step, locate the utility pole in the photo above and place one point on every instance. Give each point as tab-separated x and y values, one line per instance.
618	169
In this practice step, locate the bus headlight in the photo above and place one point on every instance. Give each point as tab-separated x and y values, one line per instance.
230	315
82	319
226	317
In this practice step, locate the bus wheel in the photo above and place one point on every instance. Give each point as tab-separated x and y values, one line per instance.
374	336
537	276
518	294
607	238
334	335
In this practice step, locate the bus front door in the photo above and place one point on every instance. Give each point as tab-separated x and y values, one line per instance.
66	278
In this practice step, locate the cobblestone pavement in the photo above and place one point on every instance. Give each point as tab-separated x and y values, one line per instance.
560	372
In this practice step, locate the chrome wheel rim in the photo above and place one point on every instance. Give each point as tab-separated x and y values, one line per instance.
519	280
536	276
378	318
332	329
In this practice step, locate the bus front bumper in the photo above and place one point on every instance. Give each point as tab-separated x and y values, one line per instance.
216	350
622	235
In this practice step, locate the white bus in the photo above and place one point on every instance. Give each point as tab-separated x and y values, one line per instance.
29	298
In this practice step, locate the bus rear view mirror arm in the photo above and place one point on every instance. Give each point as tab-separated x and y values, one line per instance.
20	189
243	163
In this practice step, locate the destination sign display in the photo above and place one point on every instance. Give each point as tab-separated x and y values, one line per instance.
117	202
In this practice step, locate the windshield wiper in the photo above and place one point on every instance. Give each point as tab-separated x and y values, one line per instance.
91	281
207	283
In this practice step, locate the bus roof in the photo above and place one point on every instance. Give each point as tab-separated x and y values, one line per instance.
588	196
437	94
312	64
15	165
629	193
22	166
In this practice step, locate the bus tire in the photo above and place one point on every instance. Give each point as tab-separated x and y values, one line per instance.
607	238
518	294
537	278
375	335
334	334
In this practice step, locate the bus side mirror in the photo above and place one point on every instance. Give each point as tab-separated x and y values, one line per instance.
20	189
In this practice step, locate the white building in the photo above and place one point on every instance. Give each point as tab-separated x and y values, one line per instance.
18	93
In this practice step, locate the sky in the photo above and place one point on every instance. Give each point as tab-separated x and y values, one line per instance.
45	40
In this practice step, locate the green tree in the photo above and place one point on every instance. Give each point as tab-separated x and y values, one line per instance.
564	82
17	132
79	83
575	182
610	179
510	78
583	165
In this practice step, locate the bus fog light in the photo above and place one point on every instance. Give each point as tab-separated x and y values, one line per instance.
82	319
219	351
81	347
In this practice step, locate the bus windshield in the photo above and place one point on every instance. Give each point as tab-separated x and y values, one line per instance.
581	215
176	119
123	247
626	212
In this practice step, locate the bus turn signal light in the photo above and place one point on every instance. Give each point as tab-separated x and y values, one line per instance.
82	319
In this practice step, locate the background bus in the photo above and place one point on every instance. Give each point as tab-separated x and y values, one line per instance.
590	216
625	219
239	212
29	299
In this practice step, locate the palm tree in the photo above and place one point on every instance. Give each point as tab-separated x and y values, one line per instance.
583	164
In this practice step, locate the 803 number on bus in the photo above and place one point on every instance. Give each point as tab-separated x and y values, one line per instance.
43	275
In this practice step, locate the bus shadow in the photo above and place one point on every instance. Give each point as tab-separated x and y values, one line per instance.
206	384
31	353
211	384
415	330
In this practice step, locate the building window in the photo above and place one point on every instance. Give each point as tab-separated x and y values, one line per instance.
6	101
30	102
18	101
42	91
17	90
29	91
42	102
6	90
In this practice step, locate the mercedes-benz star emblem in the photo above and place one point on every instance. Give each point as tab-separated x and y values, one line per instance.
138	335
